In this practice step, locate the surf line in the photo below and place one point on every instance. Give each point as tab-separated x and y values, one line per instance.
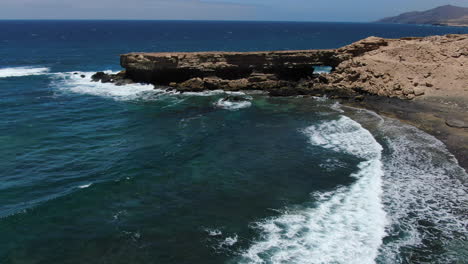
22	71
347	225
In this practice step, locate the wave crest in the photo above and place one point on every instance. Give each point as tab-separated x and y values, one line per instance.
81	83
22	71
345	135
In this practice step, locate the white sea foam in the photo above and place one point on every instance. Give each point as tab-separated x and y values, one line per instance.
423	193
345	135
229	241
337	107
347	225
221	243
229	105
85	186
74	82
212	92
214	232
204	93
22	71
320	98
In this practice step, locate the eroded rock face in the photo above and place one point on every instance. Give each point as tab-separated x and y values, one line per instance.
405	68
117	79
164	68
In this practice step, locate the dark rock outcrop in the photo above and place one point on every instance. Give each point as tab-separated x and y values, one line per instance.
233	98
118	79
102	77
406	68
230	71
278	72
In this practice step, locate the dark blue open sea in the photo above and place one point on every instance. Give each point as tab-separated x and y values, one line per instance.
95	173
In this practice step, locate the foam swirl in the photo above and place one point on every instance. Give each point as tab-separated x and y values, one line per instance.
228	105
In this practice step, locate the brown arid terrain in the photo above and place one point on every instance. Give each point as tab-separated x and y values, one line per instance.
432	72
421	81
408	68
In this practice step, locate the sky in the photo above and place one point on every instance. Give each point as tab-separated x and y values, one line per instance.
266	10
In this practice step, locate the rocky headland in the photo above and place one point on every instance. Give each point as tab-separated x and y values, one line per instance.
422	81
447	15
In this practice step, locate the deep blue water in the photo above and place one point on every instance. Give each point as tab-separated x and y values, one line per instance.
95	173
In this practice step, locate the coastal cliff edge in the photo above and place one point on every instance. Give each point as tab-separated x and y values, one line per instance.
419	80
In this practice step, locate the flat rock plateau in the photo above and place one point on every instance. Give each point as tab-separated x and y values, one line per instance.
421	81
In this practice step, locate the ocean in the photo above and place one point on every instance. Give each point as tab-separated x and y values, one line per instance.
98	173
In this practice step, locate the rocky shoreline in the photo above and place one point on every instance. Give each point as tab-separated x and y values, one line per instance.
422	81
448	122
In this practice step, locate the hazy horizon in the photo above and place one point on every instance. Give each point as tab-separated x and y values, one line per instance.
219	10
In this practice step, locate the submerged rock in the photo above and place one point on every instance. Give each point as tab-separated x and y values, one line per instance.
234	98
118	79
100	76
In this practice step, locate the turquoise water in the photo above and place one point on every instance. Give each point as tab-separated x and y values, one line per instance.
95	173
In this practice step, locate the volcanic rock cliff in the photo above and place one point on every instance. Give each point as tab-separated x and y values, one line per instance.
405	68
199	71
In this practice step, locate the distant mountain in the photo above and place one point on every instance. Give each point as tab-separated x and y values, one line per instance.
444	15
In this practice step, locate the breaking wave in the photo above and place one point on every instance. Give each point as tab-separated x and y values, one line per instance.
425	198
22	71
81	83
346	225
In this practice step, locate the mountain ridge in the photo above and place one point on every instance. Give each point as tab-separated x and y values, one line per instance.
447	15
